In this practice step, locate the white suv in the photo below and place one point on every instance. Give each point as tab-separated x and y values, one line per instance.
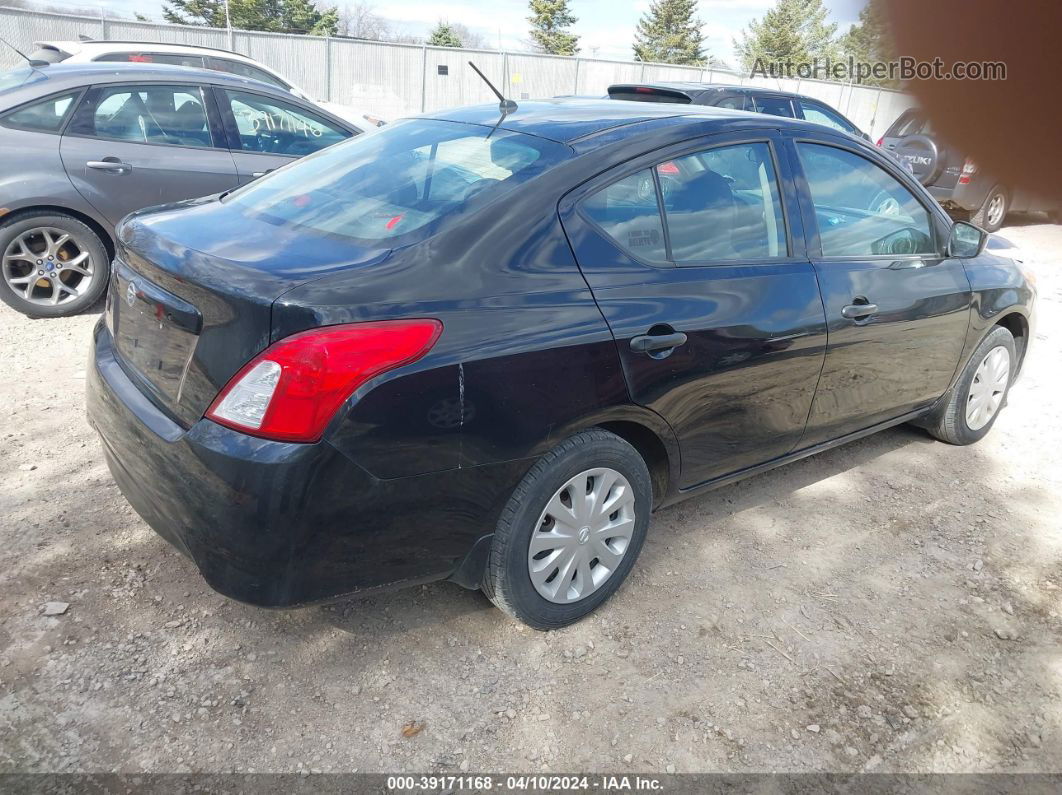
90	50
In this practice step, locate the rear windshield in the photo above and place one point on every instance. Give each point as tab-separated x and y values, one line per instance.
19	76
401	181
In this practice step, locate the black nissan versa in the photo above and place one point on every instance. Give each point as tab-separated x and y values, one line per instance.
485	348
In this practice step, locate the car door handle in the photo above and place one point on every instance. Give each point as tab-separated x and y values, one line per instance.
647	343
113	166
258	174
859	311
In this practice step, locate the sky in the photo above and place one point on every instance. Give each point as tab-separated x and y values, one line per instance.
605	27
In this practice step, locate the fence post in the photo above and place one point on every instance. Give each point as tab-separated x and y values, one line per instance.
576	89
505	74
642	78
103	24
328	68
423	78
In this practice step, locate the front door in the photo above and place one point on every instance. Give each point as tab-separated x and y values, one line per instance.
897	307
267	133
135	146
713	304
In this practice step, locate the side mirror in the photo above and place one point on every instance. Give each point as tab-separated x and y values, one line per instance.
966	240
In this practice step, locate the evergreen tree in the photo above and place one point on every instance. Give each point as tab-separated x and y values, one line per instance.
284	16
870	40
793	31
670	33
549	22
444	36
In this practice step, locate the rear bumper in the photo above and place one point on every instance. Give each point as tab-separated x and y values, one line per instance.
276	524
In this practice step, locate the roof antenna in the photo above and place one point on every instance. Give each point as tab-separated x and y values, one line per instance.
35	63
506	106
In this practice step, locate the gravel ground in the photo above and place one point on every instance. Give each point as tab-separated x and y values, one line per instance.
893	605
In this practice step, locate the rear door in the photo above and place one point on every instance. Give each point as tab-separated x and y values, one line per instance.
133	146
266	133
897	307
703	279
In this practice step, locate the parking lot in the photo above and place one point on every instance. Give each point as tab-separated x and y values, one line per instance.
892	605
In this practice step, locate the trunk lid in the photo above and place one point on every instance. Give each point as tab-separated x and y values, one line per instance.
192	293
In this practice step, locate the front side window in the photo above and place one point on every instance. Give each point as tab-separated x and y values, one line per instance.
723	204
151	114
399	184
628	212
774	106
245	70
47	115
274	127
822	115
861	209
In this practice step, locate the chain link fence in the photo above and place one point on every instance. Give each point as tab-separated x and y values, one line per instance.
393	80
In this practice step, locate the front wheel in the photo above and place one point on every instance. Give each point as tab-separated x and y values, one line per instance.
53	265
571	531
974	403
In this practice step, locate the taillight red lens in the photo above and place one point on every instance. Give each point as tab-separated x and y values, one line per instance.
881	142
291	390
969	168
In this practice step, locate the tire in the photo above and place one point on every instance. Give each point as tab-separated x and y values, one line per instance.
950	421
41	233
990	217
508	579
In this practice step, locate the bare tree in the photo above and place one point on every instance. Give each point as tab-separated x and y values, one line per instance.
469	39
360	21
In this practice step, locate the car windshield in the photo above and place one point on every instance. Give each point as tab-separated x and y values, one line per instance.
399	181
18	76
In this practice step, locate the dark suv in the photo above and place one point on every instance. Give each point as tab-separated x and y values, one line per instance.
757	100
953	178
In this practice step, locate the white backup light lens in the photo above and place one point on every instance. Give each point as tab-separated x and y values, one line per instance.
247	401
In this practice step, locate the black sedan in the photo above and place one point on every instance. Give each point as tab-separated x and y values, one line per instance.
486	349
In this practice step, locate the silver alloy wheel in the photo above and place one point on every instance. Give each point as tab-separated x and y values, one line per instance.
994	216
988	387
582	535
47	266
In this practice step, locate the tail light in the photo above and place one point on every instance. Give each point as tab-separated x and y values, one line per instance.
969	168
291	390
881	142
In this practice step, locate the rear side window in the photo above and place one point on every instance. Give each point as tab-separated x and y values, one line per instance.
151	114
723	204
173	59
399	184
820	114
629	213
648	94
275	127
734	103
245	70
774	106
861	209
46	115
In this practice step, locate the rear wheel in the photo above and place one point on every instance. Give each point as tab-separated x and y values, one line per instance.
53	265
980	393
571	531
993	212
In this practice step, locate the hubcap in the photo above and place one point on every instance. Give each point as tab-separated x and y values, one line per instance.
47	266
582	535
995	209
986	392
